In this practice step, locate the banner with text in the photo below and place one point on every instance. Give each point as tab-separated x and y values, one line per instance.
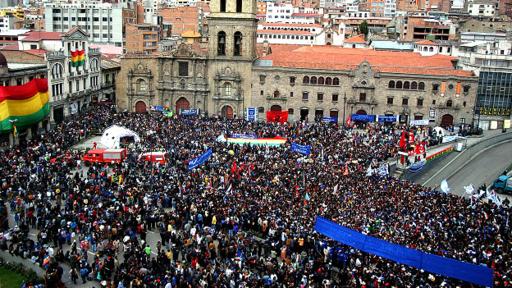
196	162
302	149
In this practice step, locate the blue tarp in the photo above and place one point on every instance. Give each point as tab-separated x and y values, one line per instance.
476	274
302	149
196	162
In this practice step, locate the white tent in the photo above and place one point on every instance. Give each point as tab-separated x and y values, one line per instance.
111	137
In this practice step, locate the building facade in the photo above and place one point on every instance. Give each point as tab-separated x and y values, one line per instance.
226	76
102	21
72	88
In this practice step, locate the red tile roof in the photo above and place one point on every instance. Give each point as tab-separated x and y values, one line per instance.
34	36
286	32
426	42
356	39
38	52
12	47
343	59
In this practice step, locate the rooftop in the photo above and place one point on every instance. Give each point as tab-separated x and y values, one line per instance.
426	42
343	59
36	36
299	25
285	32
14	32
356	39
24	66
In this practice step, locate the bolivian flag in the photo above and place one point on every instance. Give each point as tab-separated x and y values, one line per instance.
77	58
23	105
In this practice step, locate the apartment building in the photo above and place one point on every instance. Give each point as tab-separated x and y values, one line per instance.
103	22
142	38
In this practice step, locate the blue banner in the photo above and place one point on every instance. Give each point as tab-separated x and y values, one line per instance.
302	149
157	108
330	119
244	136
189	112
363	118
251	114
476	274
386	119
196	162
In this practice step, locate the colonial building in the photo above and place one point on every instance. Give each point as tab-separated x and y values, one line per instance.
228	75
72	88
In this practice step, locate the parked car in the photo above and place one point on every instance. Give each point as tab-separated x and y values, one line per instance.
503	184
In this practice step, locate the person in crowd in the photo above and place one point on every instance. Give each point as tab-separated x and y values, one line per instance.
244	218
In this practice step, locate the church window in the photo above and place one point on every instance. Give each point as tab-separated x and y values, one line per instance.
239	6
222	5
227	89
238	44
221	49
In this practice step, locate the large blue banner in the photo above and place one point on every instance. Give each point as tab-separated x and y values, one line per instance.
330	119
476	274
302	149
189	112
387	119
196	162
243	136
363	118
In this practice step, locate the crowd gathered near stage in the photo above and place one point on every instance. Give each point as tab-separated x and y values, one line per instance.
245	218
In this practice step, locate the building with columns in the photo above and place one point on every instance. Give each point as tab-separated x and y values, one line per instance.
231	73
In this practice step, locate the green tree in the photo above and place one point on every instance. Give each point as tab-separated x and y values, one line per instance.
363	28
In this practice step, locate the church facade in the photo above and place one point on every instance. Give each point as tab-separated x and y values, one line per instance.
230	73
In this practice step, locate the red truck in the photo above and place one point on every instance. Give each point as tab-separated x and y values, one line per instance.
105	156
155	157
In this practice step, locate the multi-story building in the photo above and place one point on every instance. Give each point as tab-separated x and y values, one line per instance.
307	81
482	8
300	34
142	38
491	60
10	37
376	7
8	3
6	23
102	21
423	27
183	19
505	7
390	8
279	12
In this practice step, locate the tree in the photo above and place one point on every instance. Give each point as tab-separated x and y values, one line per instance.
363	28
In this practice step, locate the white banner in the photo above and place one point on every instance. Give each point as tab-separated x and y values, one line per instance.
424	122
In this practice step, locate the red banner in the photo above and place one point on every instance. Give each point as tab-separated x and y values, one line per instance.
277	116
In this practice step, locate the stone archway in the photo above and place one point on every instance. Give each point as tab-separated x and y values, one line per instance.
140	107
446	120
276	108
227	112
182	103
361	112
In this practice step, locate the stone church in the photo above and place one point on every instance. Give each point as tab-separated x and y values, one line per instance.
230	73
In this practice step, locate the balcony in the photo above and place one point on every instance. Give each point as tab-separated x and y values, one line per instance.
56	55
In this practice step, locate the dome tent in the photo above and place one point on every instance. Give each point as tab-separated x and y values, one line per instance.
112	136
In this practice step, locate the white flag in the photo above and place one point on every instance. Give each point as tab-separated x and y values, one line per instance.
469	189
444	187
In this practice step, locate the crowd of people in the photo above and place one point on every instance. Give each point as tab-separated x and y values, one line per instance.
243	219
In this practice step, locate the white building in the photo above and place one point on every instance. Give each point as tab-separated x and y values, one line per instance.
6	23
279	12
390	8
299	34
430	48
102	21
483	8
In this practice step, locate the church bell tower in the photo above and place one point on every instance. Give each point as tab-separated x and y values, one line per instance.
232	28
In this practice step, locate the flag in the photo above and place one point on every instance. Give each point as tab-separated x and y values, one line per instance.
349	121
23	105
469	189
335	189
306	197
444	187
402	140
233	168
77	58
411	137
